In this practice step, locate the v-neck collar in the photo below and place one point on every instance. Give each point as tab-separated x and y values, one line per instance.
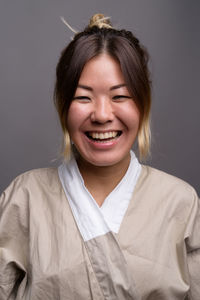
91	219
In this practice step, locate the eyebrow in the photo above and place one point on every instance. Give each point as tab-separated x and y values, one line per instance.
85	87
118	86
88	88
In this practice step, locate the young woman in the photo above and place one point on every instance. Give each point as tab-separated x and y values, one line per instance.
101	226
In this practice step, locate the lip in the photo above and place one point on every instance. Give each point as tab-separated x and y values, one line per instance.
103	131
103	136
104	144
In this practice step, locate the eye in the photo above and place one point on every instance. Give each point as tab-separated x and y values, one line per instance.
120	97
83	99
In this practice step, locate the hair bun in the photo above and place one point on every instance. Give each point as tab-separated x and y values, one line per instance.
100	21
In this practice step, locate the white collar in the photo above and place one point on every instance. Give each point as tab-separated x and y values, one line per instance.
91	219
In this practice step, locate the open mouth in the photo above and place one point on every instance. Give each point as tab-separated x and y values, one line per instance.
103	136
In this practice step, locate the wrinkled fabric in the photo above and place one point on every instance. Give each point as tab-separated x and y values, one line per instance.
94	220
43	256
97	225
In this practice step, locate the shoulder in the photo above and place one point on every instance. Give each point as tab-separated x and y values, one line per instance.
163	180
33	182
161	187
41	176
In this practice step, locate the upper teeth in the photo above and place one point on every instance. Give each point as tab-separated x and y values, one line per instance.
105	135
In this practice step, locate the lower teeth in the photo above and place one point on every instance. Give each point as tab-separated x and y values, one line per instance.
103	141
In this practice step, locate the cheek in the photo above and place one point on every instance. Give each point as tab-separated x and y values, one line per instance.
131	116
76	116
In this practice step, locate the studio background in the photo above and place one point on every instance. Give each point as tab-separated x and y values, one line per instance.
32	37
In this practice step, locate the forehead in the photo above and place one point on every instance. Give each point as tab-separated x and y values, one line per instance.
102	69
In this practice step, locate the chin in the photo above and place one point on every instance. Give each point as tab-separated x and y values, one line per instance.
106	161
103	163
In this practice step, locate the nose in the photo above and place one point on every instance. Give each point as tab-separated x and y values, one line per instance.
102	111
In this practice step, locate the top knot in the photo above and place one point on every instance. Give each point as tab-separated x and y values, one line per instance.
100	21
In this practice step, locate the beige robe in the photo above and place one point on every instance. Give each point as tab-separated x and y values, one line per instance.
155	255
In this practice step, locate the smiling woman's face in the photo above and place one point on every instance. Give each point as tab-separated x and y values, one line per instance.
103	119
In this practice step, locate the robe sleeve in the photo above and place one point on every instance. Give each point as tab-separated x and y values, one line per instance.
193	249
13	241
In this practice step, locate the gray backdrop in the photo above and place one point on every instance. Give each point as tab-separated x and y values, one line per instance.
32	37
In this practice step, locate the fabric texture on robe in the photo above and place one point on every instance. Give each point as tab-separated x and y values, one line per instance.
97	226
43	255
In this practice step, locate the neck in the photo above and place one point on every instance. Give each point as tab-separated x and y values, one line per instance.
101	180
